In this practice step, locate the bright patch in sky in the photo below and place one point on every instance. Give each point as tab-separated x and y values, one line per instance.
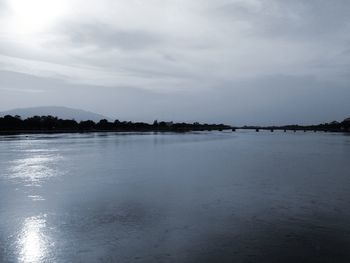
34	16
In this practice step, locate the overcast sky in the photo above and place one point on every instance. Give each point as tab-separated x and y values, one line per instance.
233	61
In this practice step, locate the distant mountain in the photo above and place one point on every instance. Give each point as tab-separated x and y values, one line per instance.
60	112
347	120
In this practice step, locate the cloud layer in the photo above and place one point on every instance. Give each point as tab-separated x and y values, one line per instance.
244	60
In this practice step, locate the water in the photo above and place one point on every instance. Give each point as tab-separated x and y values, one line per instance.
201	197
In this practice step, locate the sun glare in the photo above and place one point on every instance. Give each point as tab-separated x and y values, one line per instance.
35	16
33	244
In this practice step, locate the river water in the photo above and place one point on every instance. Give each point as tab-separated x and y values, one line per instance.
193	197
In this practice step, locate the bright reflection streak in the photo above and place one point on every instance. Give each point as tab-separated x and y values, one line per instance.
35	168
33	244
36	197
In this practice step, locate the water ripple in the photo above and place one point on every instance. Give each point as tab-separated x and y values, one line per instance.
33	243
35	168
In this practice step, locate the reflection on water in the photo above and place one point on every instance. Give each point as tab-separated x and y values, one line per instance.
36	197
206	197
33	244
35	168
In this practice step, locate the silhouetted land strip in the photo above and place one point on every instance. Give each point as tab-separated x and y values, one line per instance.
50	124
325	127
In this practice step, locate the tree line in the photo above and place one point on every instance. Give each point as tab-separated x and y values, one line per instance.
328	127
51	123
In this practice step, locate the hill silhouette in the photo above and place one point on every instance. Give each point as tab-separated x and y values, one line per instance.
58	111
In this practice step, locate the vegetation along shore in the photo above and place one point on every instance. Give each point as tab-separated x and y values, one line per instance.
51	124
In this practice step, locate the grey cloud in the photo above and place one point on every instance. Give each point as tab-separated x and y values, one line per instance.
240	62
17	87
275	99
285	99
291	18
3	7
106	36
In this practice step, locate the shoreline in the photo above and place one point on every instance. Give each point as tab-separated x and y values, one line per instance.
17	132
268	129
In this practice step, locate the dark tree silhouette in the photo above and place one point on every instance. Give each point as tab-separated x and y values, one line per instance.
53	124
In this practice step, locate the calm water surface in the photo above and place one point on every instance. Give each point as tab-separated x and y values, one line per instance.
202	197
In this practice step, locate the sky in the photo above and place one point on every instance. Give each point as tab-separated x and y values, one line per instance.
233	61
